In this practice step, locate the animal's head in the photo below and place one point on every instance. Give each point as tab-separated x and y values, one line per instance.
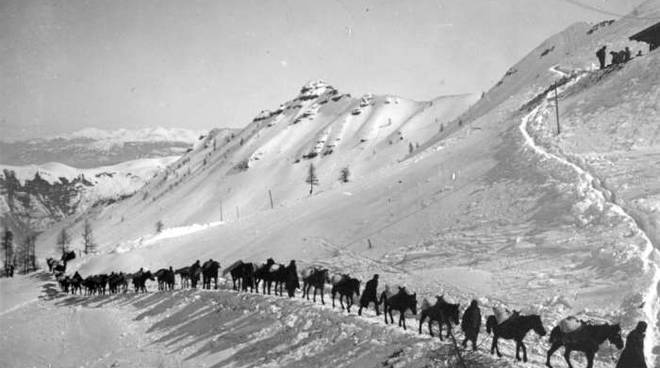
537	325
615	336
491	322
413	303
270	261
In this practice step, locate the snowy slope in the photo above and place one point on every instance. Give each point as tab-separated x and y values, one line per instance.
489	206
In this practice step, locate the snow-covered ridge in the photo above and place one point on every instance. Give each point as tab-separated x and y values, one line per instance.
53	172
157	134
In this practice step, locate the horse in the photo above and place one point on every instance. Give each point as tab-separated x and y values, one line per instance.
238	271
345	287
314	277
195	272
76	283
50	261
279	274
441	312
184	273
401	301
263	273
586	338
210	272
140	280
514	328
165	278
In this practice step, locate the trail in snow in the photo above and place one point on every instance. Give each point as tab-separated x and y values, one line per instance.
587	180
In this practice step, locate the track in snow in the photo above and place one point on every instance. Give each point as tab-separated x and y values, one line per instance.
651	307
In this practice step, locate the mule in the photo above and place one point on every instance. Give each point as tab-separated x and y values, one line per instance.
315	278
401	301
587	339
242	275
210	272
140	280
514	328
184	273
165	278
442	312
346	288
262	273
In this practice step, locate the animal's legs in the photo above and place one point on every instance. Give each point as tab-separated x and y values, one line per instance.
567	356
524	350
590	359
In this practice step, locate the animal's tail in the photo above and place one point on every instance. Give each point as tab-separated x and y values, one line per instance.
491	322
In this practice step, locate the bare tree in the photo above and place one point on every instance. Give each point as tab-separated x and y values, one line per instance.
344	175
311	179
63	240
26	252
88	238
8	248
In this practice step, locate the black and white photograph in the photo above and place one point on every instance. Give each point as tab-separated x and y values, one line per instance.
337	183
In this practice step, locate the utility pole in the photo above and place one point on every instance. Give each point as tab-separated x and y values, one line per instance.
221	220
557	110
270	195
238	213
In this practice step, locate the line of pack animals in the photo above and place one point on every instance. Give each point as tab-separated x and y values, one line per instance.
573	334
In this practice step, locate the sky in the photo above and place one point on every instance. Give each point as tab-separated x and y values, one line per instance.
112	64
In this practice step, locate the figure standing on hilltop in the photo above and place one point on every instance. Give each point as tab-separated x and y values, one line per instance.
633	354
601	56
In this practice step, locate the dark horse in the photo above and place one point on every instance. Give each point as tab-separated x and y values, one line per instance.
316	278
587	338
514	328
165	279
140	280
345	287
242	275
68	256
400	301
263	273
184	272
441	312
210	272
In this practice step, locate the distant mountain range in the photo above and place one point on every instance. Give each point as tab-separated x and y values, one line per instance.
93	147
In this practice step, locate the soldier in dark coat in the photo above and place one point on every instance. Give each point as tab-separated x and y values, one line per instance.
471	324
632	355
292	283
601	56
370	295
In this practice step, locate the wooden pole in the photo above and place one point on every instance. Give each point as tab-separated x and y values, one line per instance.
270	195
557	110
221	220
238	213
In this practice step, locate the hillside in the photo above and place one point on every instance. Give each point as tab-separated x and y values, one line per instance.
34	197
467	198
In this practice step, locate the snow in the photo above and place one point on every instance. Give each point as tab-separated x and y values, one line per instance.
496	208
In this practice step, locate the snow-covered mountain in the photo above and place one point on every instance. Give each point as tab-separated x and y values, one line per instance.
467	197
94	147
37	196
